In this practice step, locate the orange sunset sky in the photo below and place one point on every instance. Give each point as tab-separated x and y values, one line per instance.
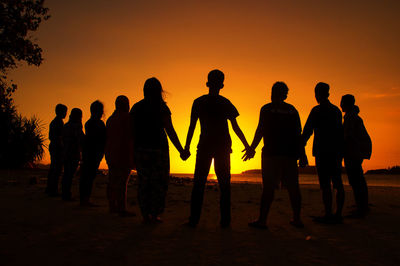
99	49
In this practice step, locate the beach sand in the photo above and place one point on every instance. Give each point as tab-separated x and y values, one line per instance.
38	230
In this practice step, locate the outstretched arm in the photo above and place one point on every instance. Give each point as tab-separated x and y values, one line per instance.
308	128
252	149
192	127
169	128
239	133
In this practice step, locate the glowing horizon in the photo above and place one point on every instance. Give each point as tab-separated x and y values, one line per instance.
99	50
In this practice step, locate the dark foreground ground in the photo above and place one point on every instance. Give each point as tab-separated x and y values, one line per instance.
37	230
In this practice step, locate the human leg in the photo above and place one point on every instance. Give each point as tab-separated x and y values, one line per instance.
290	180
122	188
112	188
159	180
54	173
222	164
271	172
322	164
88	174
202	168
357	181
70	167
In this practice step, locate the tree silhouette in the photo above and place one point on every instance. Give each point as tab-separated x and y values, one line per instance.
21	140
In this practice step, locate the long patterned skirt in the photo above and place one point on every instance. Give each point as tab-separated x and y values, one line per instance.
153	176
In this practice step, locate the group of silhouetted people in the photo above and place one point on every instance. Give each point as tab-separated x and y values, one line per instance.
138	139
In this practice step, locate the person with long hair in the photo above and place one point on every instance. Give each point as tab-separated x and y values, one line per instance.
151	123
72	138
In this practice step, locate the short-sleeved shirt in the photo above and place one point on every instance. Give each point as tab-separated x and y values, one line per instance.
55	134
214	111
148	127
95	140
325	120
281	130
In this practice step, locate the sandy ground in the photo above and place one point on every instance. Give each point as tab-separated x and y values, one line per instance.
37	230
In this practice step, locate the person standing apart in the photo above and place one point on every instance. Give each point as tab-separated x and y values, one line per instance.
151	123
279	125
213	111
72	138
92	151
119	156
325	121
56	149
358	146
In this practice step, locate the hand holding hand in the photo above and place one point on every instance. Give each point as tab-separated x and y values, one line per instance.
249	154
185	154
303	161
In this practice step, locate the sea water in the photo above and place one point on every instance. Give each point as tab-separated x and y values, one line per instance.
372	179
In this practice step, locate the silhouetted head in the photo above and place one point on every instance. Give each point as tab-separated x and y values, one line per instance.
61	110
347	103
321	92
153	91
122	103
279	91
97	109
215	79
75	115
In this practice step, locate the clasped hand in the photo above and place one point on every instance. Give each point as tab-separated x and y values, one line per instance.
185	154
249	153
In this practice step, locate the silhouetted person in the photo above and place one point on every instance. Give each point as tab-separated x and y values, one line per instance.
92	151
357	147
56	149
213	111
151	123
325	121
119	156
73	138
280	127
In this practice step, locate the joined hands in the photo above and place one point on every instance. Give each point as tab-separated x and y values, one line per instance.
249	153
185	154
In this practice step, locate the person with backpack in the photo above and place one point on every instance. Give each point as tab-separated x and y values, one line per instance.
357	147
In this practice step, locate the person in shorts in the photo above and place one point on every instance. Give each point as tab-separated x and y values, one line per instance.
279	125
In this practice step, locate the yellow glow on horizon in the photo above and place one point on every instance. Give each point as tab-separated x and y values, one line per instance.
101	51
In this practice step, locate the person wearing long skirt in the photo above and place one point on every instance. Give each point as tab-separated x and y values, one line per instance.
151	123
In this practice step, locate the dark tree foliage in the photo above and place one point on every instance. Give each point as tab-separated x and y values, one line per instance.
21	141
